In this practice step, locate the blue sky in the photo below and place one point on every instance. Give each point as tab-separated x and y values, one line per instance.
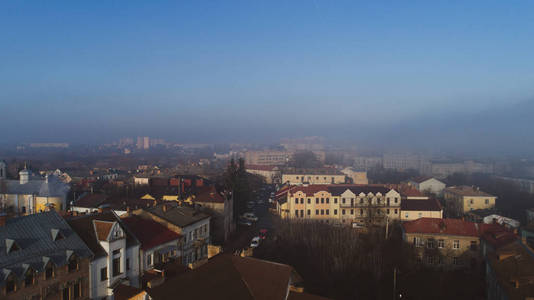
176	69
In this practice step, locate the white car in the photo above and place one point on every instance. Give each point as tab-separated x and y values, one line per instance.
250	216
255	242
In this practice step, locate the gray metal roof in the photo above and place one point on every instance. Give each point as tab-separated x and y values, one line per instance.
178	215
34	235
53	187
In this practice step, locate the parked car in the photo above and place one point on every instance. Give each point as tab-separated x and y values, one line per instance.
244	222
255	242
250	217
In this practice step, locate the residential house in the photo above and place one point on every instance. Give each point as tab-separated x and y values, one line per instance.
189	222
428	184
227	276
158	243
462	199
313	176
32	194
354	205
220	207
89	203
270	173
41	257
445	242
510	273
116	252
355	177
416	209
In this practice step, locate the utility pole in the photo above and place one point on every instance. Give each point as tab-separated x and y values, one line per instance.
387	226
394	283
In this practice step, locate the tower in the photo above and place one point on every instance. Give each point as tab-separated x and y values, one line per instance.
3	169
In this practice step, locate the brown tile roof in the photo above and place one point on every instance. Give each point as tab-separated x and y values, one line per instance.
441	226
91	200
102	229
467	191
421	205
149	232
514	264
209	194
229	277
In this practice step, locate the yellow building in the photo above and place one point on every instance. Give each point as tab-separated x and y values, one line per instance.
462	199
420	208
444	242
354	205
30	195
313	176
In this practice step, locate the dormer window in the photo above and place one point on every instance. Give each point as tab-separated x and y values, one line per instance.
56	234
11	246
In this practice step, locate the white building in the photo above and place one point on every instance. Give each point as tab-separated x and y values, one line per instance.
116	253
428	184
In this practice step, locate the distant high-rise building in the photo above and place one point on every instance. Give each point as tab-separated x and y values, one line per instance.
143	142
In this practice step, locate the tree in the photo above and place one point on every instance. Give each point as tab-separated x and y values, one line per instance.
304	159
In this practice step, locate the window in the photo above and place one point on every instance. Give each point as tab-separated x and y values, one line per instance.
316	212
361	200
430	244
352	211
387	211
327	200
441	244
343	212
296	200
327	211
430	259
418	242
309	212
456	260
322	200
296	213
351	201
103	274
76	292
149	260
396	200
316	200
486	201
117	251
301	200
322	211
335	211
302	213
343	200
456	244
335	200
73	264
377	200
309	201
49	272
396	211
116	266
10	285
361	212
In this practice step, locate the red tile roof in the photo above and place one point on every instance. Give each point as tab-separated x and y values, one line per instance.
442	226
209	194
150	233
497	235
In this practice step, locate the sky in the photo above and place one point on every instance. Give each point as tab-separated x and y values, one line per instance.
89	71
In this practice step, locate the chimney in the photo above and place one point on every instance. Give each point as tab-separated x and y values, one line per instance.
3	219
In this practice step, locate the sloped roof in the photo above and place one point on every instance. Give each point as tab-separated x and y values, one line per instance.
83	225
103	229
229	277
91	200
421	179
209	194
178	215
36	247
464	190
52	187
338	189
421	205
441	226
150	233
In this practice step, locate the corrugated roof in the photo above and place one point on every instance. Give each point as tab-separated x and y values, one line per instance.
36	246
